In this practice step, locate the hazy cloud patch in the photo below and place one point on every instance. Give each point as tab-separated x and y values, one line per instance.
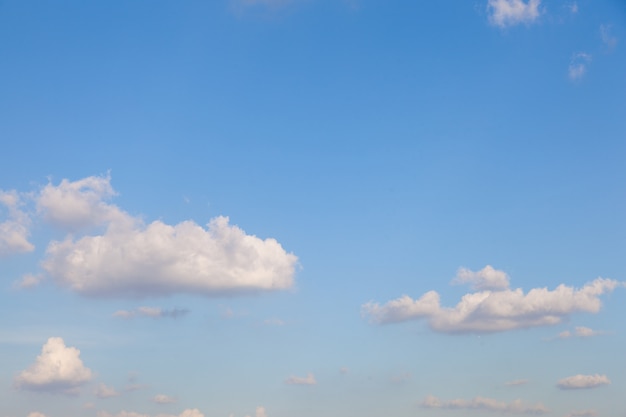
578	66
153	312
163	399
297	380
104	391
484	404
505	13
516	383
583	382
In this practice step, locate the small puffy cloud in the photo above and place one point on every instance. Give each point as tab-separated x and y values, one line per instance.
104	391
607	37
583	381
74	205
153	312
260	412
578	66
36	414
516	383
494	311
14	231
297	380
580	331
505	13
131	259
57	369
484	404
487	278
163	399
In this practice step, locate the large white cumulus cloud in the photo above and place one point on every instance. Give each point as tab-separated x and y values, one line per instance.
57	369
131	258
494	311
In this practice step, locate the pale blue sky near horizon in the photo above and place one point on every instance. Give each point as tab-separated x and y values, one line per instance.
385	144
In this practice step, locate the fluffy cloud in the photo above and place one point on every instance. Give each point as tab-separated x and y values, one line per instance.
260	412
578	66
163	399
154	312
133	259
14	231
485	404
104	391
57	369
579	331
36	414
512	12
487	278
583	381
297	380
73	205
494	311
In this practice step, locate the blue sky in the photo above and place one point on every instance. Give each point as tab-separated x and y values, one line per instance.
277	208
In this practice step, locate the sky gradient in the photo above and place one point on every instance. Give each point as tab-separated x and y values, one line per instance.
279	208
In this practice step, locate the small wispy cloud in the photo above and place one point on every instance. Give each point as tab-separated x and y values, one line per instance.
153	312
505	13
104	391
485	404
297	380
580	332
583	413
516	382
583	382
578	66
163	399
608	39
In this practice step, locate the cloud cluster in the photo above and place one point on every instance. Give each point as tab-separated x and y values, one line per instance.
57	369
14	231
153	312
133	259
505	13
583	381
484	404
297	380
494	311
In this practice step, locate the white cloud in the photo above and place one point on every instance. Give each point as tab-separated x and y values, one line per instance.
260	412
163	399
73	205
153	312
57	369
134	259
583	381
36	414
487	278
494	311
580	331
485	404
608	39
512	12
297	380
104	391
516	383
14	231
578	66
